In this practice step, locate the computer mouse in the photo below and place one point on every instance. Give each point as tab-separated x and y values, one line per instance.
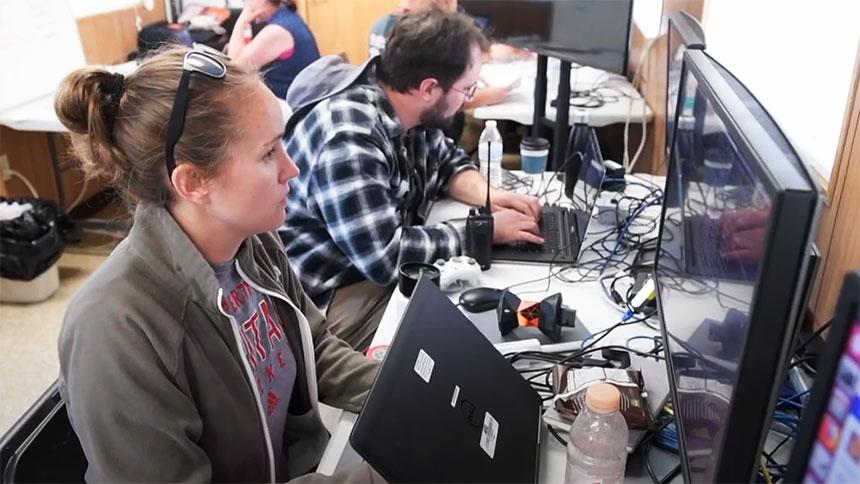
480	299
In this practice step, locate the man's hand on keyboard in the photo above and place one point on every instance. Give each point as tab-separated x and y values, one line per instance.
743	232
524	204
512	226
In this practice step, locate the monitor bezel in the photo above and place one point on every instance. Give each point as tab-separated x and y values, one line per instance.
794	200
692	34
847	309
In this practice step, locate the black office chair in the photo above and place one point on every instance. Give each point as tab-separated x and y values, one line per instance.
41	446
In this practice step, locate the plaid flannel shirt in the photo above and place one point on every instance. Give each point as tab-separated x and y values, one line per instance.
348	211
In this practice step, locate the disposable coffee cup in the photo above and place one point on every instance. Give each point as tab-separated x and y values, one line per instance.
717	166
534	153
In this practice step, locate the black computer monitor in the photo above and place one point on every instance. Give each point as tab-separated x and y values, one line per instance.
828	443
731	255
594	33
685	32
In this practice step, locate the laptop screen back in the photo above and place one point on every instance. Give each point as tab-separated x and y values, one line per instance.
584	191
446	406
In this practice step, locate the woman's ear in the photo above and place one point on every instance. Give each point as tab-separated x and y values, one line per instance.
191	183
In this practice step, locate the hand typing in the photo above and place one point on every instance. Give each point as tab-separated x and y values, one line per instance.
524	204
511	226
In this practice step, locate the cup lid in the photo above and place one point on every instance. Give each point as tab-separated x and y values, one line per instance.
603	398
415	270
535	143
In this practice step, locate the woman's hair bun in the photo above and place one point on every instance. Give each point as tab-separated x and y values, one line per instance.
88	99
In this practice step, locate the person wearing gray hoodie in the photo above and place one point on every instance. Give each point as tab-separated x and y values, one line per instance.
192	353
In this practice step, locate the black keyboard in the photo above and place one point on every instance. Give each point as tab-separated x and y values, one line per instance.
703	252
561	245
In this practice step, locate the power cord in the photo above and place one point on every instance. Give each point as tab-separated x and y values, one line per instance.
24	179
627	162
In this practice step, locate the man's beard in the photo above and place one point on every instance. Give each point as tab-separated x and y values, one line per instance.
434	116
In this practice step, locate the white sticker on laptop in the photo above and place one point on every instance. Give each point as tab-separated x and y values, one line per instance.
424	366
489	435
454	396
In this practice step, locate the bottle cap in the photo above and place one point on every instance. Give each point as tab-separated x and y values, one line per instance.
490	123
603	398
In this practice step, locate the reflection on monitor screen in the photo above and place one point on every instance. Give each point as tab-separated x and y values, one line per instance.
710	260
724	222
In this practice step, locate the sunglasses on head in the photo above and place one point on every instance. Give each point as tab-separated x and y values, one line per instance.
201	59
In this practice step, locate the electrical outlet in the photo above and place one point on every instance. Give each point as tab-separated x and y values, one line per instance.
4	167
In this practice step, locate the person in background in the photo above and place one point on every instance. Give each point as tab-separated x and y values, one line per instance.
368	140
192	353
485	95
282	46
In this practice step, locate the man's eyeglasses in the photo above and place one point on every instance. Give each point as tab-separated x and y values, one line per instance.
469	93
206	61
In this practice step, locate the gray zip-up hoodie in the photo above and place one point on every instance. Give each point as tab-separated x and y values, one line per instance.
325	77
154	375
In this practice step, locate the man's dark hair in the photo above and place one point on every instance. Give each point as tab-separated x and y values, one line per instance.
429	43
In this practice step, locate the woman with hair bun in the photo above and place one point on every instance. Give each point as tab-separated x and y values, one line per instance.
192	353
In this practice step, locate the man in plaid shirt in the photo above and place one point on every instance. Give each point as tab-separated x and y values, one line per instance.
372	155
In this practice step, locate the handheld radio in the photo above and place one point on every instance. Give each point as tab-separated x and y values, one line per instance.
479	229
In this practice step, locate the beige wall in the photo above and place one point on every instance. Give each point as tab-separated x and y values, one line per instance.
653	82
343	26
839	230
107	38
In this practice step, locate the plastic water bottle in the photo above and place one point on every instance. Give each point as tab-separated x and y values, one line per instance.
597	444
492	157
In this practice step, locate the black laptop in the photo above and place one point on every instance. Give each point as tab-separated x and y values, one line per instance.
446	406
563	227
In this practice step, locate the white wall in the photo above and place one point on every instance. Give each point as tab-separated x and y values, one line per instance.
46	47
797	57
646	15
